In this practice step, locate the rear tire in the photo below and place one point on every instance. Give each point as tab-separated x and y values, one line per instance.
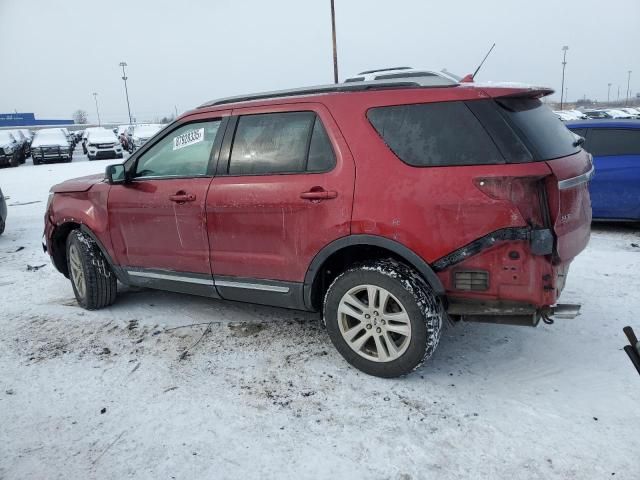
94	283
15	160
383	318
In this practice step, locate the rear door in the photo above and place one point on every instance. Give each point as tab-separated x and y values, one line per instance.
157	222
283	190
615	189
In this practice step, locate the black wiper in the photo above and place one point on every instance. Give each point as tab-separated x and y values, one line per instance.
579	141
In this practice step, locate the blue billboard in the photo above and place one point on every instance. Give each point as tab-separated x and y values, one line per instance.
28	119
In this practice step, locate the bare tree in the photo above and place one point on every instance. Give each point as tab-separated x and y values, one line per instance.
80	116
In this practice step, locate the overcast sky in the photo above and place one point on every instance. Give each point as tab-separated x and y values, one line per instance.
53	55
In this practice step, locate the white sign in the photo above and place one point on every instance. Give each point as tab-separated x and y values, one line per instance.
188	138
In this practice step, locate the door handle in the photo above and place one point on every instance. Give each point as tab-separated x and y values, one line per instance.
319	194
182	197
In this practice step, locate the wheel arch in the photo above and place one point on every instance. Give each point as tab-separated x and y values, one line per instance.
59	250
375	247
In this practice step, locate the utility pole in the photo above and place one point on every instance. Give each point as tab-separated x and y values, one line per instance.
564	64
335	50
628	84
95	97
618	93
608	91
126	92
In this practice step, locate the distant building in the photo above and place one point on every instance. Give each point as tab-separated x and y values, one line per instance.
28	120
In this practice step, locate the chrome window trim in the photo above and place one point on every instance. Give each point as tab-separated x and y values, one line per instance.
575	181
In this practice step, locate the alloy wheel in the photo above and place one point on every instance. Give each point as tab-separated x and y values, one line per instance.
77	273
374	323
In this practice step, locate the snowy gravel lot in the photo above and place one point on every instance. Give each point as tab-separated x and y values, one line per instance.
265	395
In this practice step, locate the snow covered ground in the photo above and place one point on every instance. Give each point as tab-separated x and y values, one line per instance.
105	394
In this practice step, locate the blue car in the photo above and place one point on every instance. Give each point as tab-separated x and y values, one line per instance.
615	146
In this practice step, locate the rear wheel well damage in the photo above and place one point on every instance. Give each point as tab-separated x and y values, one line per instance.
343	253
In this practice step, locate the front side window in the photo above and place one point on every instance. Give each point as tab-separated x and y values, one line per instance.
184	152
612	141
434	134
272	143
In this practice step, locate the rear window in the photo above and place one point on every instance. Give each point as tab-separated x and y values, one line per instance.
610	141
544	133
434	134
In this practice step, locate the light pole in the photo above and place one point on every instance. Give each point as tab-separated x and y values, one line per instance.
95	97
628	84
564	64
335	51
126	92
608	91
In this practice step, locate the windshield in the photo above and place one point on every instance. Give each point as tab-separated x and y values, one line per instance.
537	125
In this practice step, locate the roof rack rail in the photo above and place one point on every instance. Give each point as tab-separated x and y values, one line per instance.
384	70
331	88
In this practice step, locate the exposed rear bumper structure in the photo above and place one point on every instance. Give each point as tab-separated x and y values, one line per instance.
508	313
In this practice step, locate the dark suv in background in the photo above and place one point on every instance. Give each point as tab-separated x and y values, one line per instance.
387	205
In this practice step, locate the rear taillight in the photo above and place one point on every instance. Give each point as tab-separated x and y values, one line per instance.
527	194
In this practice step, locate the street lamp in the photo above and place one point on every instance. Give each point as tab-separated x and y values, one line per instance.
95	97
564	64
126	92
335	51
628	84
608	91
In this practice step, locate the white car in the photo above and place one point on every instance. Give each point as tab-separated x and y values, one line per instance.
102	143
50	144
634	112
409	73
578	114
564	116
618	113
137	135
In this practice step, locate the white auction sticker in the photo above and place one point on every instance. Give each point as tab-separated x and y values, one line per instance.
188	138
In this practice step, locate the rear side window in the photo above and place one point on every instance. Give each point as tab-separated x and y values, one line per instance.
434	134
544	133
610	141
273	143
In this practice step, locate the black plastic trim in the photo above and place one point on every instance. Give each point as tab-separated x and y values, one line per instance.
405	253
201	284
121	275
542	244
292	298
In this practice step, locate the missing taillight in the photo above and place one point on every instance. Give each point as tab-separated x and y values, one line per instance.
527	194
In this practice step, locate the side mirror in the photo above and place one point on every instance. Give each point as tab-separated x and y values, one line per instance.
116	174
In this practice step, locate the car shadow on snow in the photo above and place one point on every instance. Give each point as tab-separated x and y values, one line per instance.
464	346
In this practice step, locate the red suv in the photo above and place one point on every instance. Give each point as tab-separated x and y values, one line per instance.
386	205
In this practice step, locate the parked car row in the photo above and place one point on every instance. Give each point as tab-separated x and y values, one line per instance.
598	113
133	137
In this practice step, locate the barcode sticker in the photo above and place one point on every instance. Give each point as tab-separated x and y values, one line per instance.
188	138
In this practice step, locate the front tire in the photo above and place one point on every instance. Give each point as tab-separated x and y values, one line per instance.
94	283
383	318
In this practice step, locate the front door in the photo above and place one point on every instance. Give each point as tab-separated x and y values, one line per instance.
284	190
157	221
